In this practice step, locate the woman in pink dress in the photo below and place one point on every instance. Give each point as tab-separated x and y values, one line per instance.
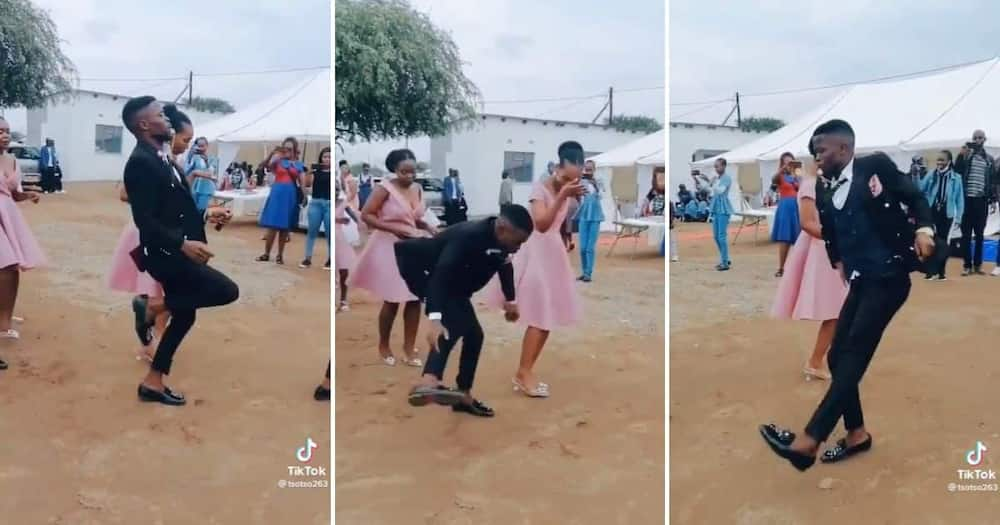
394	211
346	258
18	249
123	275
545	281
810	288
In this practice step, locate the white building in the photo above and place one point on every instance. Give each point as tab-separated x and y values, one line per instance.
482	150
91	141
691	142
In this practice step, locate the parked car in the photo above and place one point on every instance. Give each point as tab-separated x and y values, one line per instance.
27	161
433	189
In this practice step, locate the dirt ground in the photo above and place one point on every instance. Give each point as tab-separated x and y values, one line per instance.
929	396
78	448
592	453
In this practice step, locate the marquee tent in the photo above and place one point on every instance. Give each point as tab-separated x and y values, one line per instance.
626	172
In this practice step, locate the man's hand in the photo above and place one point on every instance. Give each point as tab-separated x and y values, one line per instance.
219	215
510	312
33	196
924	245
197	251
436	331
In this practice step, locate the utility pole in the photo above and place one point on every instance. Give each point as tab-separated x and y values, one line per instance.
739	115
611	105
191	88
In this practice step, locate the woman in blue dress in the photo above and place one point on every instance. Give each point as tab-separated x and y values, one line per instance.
786	217
281	210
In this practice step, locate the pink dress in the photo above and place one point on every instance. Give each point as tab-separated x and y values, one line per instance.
346	257
123	276
545	286
376	270
18	246
810	288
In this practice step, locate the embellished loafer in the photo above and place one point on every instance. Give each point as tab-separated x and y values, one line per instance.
167	397
773	437
143	326
321	394
785	437
841	451
476	408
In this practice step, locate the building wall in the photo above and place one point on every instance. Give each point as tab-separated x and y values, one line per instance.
477	152
72	123
687	139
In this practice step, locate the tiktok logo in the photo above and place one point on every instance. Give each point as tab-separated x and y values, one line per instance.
975	456
305	453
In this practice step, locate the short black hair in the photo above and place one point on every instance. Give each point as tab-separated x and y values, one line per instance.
452	171
341	163
132	109
518	217
835	127
570	152
723	161
365	165
177	117
397	157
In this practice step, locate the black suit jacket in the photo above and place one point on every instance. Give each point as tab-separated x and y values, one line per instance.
896	226
162	208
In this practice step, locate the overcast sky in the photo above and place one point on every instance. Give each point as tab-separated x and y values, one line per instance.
526	49
719	47
119	39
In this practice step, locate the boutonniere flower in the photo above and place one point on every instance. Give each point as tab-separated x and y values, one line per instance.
875	185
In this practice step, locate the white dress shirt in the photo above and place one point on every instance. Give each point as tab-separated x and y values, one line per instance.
846	176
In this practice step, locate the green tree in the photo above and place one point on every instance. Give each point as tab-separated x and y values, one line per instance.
765	124
212	105
33	68
397	74
638	123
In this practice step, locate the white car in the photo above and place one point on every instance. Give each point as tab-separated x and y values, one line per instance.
27	161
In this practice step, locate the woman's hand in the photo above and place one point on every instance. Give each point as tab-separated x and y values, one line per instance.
571	190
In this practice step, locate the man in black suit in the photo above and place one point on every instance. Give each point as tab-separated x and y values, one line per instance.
870	239
172	243
445	271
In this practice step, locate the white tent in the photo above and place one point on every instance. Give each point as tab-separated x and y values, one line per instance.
634	160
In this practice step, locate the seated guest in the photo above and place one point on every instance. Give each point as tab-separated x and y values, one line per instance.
655	203
684	195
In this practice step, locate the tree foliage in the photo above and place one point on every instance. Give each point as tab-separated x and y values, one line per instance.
637	123
212	105
33	67
765	124
397	74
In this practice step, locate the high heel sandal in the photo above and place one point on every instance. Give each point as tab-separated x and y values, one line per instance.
10	334
414	361
540	390
814	373
263	258
388	360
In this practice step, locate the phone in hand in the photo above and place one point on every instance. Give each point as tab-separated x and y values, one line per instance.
794	165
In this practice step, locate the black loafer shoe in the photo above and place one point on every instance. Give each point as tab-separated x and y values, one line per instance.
785	437
167	397
800	461
321	394
143	327
476	408
3	364
841	451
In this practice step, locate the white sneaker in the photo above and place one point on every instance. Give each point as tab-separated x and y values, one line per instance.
996	272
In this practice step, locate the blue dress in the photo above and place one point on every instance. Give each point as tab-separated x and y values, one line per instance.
786	217
281	210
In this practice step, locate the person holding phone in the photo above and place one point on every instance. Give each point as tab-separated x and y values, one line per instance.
200	175
281	210
394	211
720	210
786	218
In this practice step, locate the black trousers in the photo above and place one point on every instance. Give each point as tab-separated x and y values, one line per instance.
942	226
454	213
187	286
459	318
973	222
47	182
866	313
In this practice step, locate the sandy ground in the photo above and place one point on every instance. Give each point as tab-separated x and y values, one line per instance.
929	395
77	446
592	453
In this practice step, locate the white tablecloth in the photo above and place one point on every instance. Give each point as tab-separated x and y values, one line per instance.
655	228
242	203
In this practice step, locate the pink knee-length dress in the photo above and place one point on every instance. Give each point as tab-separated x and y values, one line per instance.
18	246
810	288
545	286
346	258
123	275
375	269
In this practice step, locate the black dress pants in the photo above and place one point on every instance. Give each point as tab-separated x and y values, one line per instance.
942	227
870	305
973	223
459	319
187	286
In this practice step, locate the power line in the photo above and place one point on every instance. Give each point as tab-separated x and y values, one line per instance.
204	75
569	99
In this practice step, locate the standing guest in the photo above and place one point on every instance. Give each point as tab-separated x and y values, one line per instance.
48	168
446	271
786	228
506	189
260	175
281	208
349	184
200	175
345	252
394	211
589	215
976	167
811	289
454	199
546	294
319	207
124	275
18	249
365	181
917	169
721	209
871	241
944	193
172	244
655	202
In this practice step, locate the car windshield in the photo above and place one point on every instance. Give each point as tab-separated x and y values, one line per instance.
26	152
431	185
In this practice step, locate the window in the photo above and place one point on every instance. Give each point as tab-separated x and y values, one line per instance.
519	165
108	139
25	152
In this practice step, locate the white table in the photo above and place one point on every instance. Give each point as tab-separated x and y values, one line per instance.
244	203
654	226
